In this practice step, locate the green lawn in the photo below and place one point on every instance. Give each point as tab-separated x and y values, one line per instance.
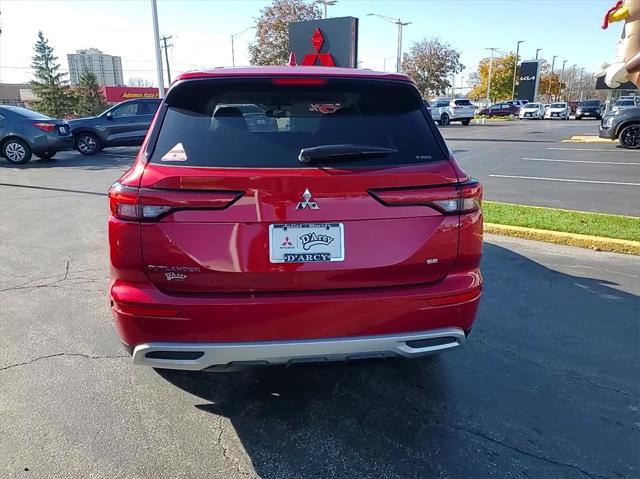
595	224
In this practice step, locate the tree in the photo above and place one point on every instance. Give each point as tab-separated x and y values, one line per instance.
431	64
139	82
89	98
49	83
271	46
501	78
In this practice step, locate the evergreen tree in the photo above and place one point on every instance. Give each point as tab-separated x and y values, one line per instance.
49	83
89	98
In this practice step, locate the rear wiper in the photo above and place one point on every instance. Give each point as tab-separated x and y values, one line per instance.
338	152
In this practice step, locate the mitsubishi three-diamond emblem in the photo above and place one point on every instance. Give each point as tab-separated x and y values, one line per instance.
306	201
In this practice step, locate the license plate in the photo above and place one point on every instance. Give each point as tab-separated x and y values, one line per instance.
306	243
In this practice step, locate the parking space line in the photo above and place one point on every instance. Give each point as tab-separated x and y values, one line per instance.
583	161
617	150
566	180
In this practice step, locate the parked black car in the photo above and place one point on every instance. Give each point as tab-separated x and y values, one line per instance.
25	132
124	124
623	126
589	108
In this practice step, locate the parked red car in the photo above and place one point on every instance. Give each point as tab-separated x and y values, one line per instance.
334	225
501	109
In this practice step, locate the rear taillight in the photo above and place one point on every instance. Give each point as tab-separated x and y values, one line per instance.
463	198
147	204
48	127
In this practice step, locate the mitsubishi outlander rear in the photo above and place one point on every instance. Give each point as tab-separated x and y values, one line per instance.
293	214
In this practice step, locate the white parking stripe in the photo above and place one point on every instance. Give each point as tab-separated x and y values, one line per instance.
565	180
583	161
618	150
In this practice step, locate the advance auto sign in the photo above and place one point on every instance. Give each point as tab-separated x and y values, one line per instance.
529	80
115	94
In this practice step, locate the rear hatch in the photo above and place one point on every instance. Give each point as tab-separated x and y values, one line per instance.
463	108
243	194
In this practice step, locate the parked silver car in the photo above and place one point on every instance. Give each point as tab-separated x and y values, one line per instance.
446	111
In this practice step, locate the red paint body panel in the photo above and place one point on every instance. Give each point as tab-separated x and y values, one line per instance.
383	286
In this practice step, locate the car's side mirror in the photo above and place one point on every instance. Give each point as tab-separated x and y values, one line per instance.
109	116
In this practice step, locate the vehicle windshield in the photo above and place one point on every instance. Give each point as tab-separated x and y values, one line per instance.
558	105
532	105
625	103
256	123
590	103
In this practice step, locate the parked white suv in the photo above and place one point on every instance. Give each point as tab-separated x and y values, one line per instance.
446	111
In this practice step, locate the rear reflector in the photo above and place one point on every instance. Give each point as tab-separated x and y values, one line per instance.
455	298
456	199
48	127
145	311
130	203
299	81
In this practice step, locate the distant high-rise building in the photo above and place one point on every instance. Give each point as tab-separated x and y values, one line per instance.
106	68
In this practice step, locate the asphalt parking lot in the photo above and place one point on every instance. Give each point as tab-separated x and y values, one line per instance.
526	162
547	386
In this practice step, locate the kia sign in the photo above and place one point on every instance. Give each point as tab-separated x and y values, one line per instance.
332	42
529	80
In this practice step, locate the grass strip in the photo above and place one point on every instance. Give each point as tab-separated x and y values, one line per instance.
566	221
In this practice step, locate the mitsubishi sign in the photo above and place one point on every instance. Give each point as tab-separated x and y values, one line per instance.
528	80
331	42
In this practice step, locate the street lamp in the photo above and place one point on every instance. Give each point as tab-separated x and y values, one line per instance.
553	64
537	51
489	79
233	38
581	83
400	24
384	63
156	40
515	69
562	79
326	3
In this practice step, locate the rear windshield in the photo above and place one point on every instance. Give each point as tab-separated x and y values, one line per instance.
463	103
32	115
256	123
625	103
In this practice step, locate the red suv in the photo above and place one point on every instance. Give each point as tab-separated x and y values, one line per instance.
293	214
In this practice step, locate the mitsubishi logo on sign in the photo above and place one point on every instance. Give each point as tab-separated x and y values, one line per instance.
326	60
330	42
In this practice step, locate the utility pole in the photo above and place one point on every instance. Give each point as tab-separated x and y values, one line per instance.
401	25
561	80
166	55
493	49
156	41
515	69
538	50
553	64
581	83
233	39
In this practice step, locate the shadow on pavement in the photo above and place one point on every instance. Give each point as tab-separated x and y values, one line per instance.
546	387
72	159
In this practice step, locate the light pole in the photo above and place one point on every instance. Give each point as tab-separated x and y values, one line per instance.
156	41
538	50
562	79
553	64
571	82
490	72
400	24
515	69
326	3
233	38
581	83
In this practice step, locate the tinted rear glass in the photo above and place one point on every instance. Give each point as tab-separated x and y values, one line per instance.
463	103
256	123
30	114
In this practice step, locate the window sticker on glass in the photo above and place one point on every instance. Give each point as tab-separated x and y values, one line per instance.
176	153
326	108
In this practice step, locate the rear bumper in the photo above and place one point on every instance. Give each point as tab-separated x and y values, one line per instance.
201	356
51	143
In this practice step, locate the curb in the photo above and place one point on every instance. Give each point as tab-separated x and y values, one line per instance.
597	243
588	139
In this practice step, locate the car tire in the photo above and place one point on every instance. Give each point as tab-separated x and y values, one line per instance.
46	155
629	137
16	151
445	120
466	122
511	116
87	143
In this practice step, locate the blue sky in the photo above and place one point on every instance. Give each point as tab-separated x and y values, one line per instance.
567	28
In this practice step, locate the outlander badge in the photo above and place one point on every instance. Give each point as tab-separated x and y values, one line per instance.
306	201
